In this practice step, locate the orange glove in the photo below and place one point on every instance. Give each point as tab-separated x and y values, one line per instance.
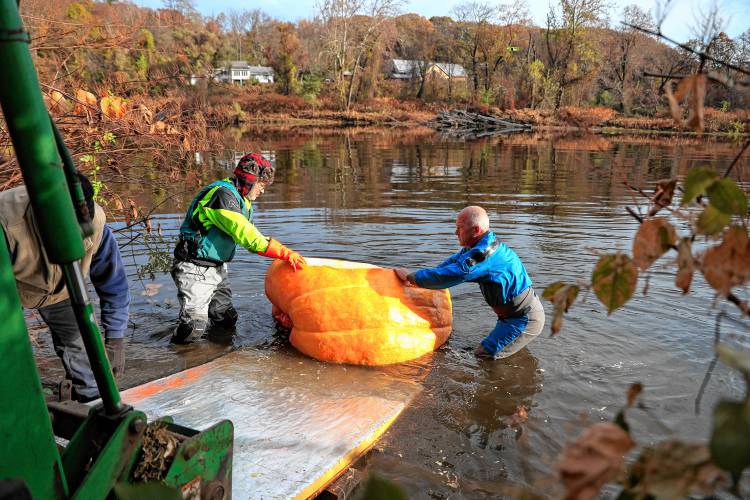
276	250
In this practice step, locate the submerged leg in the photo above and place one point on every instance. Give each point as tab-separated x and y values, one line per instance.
221	312
511	335
195	287
69	348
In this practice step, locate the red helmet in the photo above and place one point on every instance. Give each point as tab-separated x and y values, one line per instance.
254	167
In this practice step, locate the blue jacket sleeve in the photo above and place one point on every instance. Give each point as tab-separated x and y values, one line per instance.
449	273
111	284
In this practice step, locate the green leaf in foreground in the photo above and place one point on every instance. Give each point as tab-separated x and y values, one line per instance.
614	280
734	358
730	439
728	197
696	183
378	488
712	221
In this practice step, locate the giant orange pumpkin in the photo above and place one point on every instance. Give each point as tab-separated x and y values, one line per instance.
349	312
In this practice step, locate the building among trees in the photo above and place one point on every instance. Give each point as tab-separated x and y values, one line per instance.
240	73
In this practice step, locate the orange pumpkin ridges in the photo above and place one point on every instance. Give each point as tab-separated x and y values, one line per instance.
355	313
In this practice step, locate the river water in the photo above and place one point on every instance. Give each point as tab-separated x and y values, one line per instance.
390	198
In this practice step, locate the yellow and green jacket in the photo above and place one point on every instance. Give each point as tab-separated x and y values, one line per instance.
218	220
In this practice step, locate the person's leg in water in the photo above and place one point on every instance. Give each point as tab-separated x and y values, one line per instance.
69	347
513	334
221	311
195	288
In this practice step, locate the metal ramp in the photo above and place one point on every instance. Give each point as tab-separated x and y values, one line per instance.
298	423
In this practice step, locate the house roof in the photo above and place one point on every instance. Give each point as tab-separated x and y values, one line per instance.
452	70
260	70
405	68
238	64
253	70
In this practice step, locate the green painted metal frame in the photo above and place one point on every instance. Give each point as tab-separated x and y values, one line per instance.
105	447
38	154
27	444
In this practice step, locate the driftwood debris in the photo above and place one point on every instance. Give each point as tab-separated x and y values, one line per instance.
472	125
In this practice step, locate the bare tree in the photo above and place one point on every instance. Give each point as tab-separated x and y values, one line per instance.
626	40
564	39
474	20
352	28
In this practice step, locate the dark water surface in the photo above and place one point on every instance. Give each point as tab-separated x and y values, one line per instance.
390	198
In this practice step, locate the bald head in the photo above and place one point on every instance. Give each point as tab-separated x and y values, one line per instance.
471	224
476	217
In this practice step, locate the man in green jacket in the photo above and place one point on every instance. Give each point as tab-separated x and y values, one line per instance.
219	219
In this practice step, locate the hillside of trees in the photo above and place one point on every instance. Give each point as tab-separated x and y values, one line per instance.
586	54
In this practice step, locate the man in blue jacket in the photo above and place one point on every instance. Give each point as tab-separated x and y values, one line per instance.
504	282
41	286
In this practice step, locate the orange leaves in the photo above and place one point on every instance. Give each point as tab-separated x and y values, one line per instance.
693	86
594	459
85	101
57	103
728	265
685	265
653	239
110	106
113	107
663	195
562	297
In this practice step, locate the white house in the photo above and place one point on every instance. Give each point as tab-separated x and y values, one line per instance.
240	72
405	69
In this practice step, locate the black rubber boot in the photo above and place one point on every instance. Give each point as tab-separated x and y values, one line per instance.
187	333
225	319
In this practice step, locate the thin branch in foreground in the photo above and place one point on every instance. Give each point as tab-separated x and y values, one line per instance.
698	53
712	365
711	75
736	159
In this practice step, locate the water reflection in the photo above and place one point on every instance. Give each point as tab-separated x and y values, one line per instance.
390	198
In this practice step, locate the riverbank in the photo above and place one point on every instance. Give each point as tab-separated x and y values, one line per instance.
253	108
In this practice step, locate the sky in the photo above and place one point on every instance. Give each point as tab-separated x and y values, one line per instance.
679	24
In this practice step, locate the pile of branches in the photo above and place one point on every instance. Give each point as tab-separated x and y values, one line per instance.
465	124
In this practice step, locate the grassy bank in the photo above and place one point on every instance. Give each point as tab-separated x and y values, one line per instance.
254	106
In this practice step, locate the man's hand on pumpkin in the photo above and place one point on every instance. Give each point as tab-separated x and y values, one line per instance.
404	275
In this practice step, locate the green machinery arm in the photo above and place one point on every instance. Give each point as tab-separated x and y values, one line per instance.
104	443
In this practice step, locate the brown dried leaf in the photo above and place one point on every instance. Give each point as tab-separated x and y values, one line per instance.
663	195
634	390
695	86
133	210
685	265
728	265
118	203
85	99
519	417
148	225
158	228
557	319
675	469
113	107
594	459
695	119
653	239
146	114
151	289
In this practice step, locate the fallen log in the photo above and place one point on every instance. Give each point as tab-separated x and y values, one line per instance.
460	122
